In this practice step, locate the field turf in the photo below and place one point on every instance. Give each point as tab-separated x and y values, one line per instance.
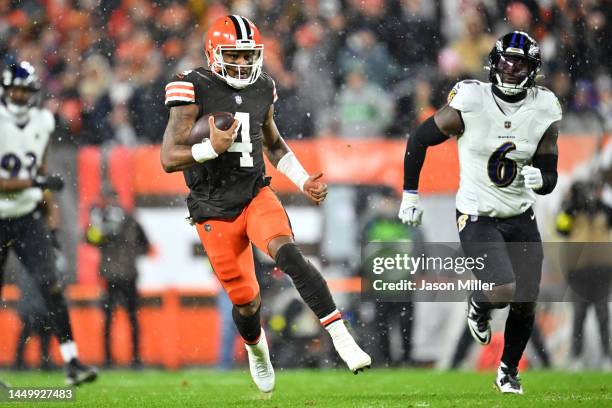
324	388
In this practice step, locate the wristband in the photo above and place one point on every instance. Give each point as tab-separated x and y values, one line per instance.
290	166
204	151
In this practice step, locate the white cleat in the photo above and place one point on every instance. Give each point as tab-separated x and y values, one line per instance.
479	323
260	365
508	381
355	358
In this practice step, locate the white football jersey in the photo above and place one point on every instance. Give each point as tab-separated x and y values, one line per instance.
21	155
495	146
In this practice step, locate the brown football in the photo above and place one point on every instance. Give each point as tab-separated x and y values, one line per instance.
201	131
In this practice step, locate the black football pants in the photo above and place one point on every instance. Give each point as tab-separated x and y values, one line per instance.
30	239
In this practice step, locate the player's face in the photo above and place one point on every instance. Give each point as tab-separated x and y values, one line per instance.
237	58
19	95
514	68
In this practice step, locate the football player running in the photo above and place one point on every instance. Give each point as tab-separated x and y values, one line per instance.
507	140
25	190
230	200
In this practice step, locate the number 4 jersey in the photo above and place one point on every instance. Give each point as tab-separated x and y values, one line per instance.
222	187
495	146
22	150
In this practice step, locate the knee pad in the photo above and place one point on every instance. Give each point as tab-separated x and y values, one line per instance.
242	294
239	288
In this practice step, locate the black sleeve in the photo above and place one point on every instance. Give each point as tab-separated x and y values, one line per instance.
426	134
547	163
182	89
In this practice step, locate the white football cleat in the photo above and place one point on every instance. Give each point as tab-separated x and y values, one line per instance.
508	381
260	365
479	323
355	358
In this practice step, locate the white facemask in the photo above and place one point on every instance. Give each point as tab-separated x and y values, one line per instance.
510	89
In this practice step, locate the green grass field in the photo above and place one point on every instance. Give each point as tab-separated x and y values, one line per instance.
325	388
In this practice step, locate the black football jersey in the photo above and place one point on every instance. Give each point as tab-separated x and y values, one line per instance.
222	187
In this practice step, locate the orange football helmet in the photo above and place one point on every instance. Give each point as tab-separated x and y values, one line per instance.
234	33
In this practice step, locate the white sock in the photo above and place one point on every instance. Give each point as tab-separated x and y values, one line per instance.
337	329
68	350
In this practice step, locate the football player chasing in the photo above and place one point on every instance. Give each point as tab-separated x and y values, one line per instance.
507	140
230	200
25	190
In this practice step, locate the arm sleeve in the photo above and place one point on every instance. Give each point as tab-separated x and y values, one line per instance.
547	163
427	134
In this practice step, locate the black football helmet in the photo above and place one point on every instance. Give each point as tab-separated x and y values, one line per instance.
514	62
21	76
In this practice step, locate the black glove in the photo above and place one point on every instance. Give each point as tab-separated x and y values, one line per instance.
54	240
51	182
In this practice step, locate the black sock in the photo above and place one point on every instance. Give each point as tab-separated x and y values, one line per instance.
307	280
249	327
58	311
482	302
519	327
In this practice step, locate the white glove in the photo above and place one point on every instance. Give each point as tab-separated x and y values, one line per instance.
533	177
410	210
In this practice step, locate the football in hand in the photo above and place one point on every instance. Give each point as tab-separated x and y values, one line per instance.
201	130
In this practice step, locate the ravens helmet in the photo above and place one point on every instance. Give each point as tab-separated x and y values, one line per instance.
20	88
514	62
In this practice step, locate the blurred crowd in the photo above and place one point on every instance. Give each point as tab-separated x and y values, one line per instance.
352	68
